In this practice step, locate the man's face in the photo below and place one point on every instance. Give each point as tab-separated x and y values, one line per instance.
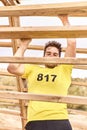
51	52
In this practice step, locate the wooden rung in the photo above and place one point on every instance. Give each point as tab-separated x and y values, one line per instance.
43	32
79	112
78	50
5	44
79	83
15	87
9	128
8	101
3	87
9	111
4	26
8	104
39	97
84	67
5	73
70	8
44	60
40	47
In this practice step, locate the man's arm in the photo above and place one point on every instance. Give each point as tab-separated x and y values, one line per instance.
18	69
71	42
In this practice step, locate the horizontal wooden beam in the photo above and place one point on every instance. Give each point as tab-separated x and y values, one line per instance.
41	47
9	111
70	8
14	88
84	67
78	50
39	97
5	44
44	60
9	128
77	112
4	25
9	101
6	73
43	32
5	104
4	87
80	83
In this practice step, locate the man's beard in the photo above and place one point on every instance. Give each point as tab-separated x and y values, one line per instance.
51	65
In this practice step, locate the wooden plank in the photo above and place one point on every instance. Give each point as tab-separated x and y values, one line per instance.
5	44
40	47
9	101
4	25
78	50
43	32
9	128
15	88
9	111
42	97
44	60
5	104
6	73
3	87
80	83
79	112
84	67
70	8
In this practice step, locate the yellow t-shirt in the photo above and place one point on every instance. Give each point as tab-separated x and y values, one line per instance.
43	80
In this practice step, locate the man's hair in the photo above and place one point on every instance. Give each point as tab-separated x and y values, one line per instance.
53	44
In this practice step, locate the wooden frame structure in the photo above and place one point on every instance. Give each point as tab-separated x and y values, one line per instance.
14	31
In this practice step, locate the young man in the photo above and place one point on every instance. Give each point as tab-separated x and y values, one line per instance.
50	79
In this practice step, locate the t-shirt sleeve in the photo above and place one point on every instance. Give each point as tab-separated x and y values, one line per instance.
68	68
27	70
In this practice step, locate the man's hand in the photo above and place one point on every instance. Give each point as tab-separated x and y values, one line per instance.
64	19
24	42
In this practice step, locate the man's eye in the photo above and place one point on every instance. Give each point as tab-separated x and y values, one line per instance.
48	54
55	54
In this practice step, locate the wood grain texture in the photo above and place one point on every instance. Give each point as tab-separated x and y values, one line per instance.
70	8
43	32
